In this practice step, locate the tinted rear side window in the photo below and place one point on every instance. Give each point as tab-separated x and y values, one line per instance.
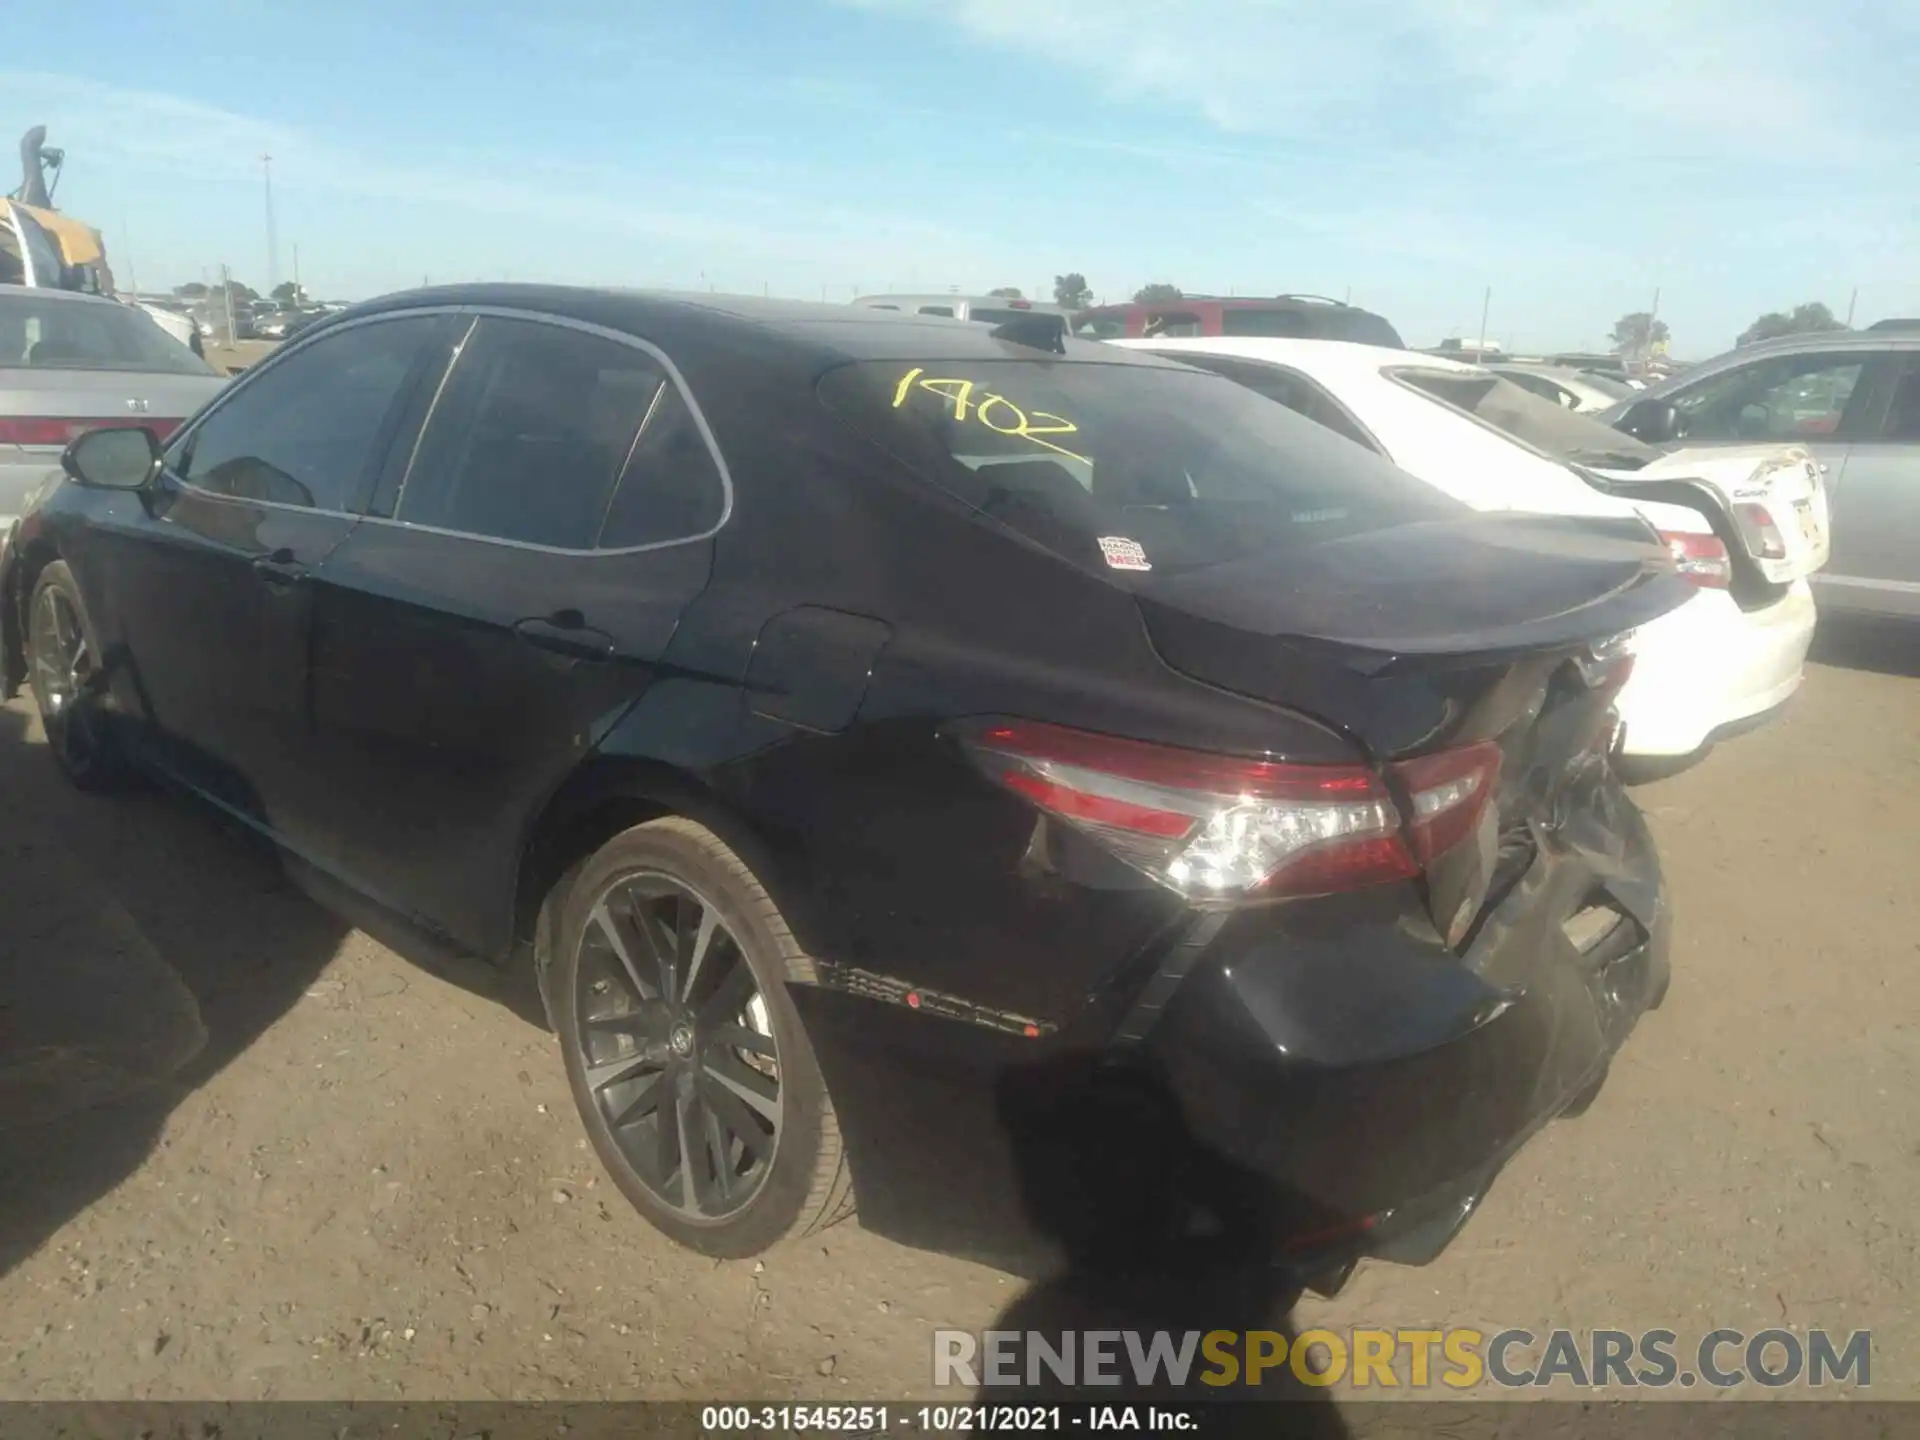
1541	424
533	426
1116	467
672	488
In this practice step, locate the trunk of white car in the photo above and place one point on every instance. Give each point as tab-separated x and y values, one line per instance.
1772	496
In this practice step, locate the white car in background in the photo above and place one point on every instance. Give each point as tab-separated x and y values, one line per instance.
1568	388
176	323
1746	525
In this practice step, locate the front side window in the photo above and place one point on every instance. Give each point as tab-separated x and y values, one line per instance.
532	428
1903	411
1123	468
308	430
1785	397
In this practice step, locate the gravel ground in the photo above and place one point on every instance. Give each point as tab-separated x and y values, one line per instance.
249	1152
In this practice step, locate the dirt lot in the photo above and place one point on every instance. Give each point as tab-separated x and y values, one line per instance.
248	1152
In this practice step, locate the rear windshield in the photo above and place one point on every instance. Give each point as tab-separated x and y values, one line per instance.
52	333
1535	421
1127	468
1299	323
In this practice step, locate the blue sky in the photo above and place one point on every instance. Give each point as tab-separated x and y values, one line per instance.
1740	155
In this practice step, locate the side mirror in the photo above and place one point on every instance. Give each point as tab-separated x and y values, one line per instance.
1652	420
113	459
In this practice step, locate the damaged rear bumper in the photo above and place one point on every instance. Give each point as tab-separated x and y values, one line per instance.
1359	1100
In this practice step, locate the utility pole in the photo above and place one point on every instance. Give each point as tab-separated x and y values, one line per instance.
1855	300
296	274
1486	304
273	241
126	249
226	296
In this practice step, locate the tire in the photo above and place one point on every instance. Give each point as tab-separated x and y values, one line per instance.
654	879
69	685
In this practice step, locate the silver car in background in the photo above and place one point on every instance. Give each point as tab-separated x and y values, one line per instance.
71	363
1852	397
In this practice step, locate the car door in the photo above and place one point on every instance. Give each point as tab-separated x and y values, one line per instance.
214	582
1816	398
502	605
1875	566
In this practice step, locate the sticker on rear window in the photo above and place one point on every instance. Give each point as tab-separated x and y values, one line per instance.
1123	554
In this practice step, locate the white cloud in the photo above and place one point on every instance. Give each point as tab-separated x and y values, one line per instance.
1580	77
589	215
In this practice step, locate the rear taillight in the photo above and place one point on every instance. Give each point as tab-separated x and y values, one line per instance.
1219	826
1701	559
1756	523
62	430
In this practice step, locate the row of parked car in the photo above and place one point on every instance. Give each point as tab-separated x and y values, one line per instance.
1002	780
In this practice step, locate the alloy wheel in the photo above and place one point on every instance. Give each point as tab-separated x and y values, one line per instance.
63	672
676	1046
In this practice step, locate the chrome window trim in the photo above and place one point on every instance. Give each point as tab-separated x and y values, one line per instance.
439	389
503	312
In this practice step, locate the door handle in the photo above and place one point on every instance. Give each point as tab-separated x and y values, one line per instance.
566	632
280	568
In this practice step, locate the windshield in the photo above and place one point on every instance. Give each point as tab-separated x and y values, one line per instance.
52	333
1319	323
1127	467
1533	420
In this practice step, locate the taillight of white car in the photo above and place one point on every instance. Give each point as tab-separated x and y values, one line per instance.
1701	559
1218	826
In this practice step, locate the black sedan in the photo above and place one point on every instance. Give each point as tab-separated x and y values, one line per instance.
939	764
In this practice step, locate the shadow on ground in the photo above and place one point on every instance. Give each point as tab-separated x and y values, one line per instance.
144	944
1102	1171
1883	646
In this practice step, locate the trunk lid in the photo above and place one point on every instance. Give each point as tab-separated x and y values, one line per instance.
104	394
1771	496
1499	628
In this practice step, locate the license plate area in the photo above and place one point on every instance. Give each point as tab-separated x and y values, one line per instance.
1809	522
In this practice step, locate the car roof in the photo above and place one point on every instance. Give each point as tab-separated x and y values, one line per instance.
1807	344
804	330
992	302
1238	302
1300	354
48	292
1823	340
